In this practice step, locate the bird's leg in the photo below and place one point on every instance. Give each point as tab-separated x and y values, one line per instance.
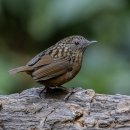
71	92
43	90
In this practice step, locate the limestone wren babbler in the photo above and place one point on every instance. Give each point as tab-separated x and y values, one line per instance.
57	64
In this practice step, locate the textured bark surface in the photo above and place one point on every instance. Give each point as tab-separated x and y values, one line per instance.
83	110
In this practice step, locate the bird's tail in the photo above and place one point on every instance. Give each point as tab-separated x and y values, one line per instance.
20	69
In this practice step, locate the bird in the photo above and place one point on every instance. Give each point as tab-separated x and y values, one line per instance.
58	64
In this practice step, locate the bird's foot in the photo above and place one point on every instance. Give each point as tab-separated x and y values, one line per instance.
71	92
44	90
53	92
64	88
58	88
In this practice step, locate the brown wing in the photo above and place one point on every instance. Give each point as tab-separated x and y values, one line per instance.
36	59
44	60
52	70
42	54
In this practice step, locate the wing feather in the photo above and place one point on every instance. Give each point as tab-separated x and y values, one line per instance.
51	70
38	57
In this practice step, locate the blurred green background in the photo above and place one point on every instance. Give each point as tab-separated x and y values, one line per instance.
27	27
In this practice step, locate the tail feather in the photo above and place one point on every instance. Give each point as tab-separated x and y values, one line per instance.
20	69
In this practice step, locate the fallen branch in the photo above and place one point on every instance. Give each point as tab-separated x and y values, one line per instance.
83	110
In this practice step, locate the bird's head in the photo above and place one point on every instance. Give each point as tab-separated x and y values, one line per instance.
75	43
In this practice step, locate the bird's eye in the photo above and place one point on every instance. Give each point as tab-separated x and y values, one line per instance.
76	43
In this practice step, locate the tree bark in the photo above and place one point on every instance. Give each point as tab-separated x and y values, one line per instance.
83	110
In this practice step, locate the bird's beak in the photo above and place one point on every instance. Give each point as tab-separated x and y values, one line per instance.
91	42
88	43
